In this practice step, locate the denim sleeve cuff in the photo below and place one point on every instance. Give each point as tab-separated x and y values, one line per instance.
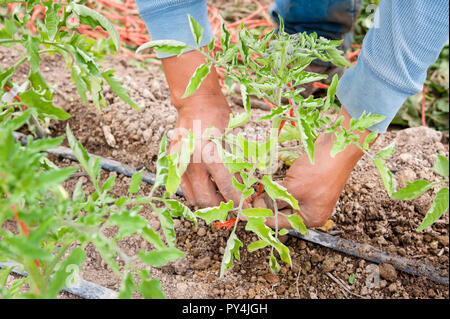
171	22
361	90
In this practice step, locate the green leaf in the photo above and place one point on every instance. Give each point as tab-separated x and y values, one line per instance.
351	279
44	107
157	258
438	208
53	177
232	249
386	175
162	164
297	223
239	120
307	139
167	226
337	58
152	237
369	139
150	288
179	210
128	222
197	78
196	29
340	144
17	122
128	287
93	18
257	212
273	264
51	23
257	245
108	184
412	190
387	152
116	86
67	268
331	92
173	178
276	191
80	83
365	121
31	45
256	225
219	213
165	47
135	184
5	76
441	165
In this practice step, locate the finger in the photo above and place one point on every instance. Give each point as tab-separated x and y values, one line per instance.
223	180
186	187
204	190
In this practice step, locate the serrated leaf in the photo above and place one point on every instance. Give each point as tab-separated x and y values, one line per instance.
93	18
179	210
331	92
51	23
53	177
128	287
157	258
17	122
441	165
135	184
232	249
167	226
438	208
150	288
108	184
307	139
165	47
66	270
219	213
257	245
239	120
413	190
387	152
257	212
276	191
386	175
365	121
44	107
128	222
196	29
273	264
116	86
31	45
197	78
297	223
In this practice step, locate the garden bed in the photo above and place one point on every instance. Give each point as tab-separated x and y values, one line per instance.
364	212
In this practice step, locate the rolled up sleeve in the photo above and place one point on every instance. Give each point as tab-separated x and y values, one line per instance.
168	20
405	39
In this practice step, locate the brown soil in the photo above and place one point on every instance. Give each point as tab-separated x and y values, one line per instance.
364	213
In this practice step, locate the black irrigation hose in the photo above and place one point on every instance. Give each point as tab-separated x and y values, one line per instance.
363	251
84	289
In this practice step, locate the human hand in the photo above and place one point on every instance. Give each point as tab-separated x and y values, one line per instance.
317	186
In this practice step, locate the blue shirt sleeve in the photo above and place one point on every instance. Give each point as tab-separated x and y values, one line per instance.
168	20
405	39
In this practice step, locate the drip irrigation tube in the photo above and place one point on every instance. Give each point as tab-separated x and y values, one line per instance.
89	290
84	289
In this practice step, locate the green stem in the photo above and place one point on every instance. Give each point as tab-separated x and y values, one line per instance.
55	260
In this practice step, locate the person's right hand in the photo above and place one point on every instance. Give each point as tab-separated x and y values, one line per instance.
206	181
